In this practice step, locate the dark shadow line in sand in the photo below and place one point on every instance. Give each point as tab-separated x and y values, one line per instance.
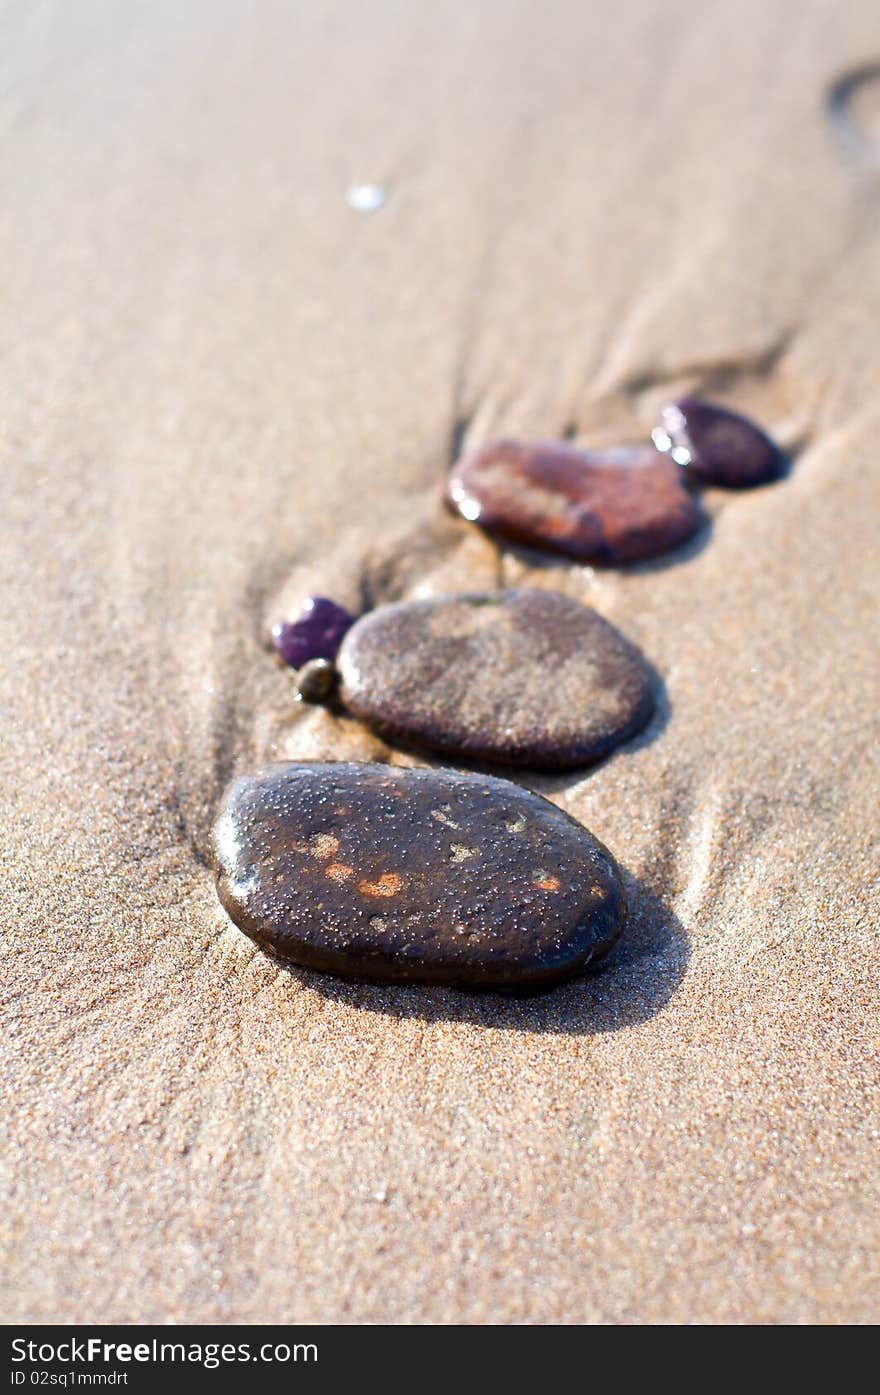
630	986
715	374
852	134
461	425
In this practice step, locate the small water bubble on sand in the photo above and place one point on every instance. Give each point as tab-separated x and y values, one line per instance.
366	198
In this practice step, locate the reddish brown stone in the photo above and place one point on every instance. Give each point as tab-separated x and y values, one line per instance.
425	875
598	506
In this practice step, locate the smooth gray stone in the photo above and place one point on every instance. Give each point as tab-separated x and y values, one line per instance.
527	677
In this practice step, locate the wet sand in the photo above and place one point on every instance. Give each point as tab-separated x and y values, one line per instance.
222	388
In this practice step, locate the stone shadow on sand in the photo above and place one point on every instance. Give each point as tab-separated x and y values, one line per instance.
633	984
851	102
550	783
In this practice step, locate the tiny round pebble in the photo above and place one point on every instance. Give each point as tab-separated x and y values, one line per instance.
316	680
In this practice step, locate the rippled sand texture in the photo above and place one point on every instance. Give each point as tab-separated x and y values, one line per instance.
222	387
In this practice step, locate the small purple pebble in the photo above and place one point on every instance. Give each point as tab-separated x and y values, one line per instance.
316	634
717	446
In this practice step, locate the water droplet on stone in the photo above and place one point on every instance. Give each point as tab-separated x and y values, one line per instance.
527	677
607	507
718	446
490	921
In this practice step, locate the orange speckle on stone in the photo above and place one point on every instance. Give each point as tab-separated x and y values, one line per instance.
548	884
323	844
338	871
388	885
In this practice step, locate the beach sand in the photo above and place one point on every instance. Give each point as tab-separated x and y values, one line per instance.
222	388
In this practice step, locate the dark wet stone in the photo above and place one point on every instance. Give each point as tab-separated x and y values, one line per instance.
598	506
316	680
716	445
316	633
526	677
426	875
